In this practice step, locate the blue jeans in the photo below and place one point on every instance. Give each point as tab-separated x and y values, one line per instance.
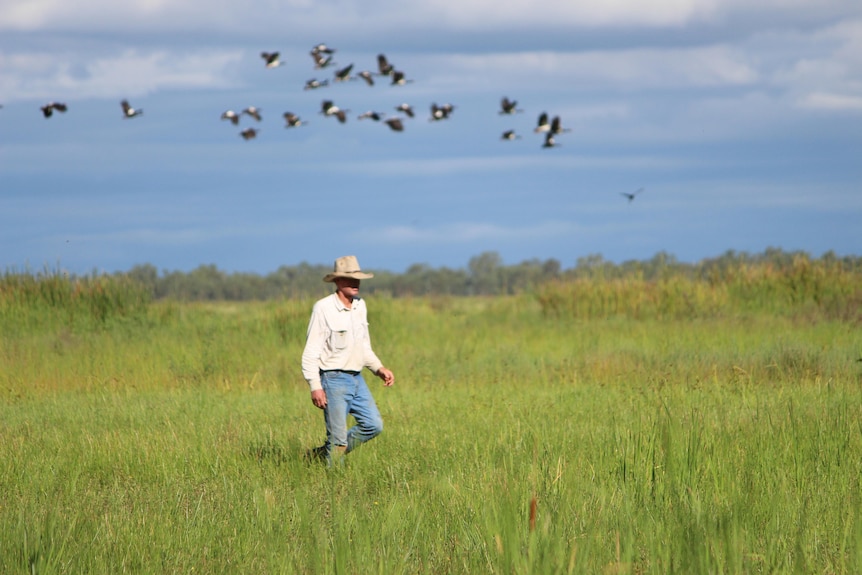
347	394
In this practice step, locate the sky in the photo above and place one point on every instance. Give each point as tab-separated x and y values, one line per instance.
741	122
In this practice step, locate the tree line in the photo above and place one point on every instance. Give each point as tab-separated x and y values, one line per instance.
484	275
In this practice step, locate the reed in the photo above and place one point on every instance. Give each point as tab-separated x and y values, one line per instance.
817	289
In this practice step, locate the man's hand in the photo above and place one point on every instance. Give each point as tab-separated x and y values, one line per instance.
318	398
386	375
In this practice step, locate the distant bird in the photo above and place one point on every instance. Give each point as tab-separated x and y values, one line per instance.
314	83
510	135
366	75
633	195
556	128
406	108
376	116
128	111
321	61
398	78
441	112
328	108
253	112
271	59
343	74
395	124
549	141
292	120
232	116
384	68
322	49
48	109
542	125
508	106
249	133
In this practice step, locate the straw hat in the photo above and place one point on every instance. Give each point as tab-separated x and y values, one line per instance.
347	267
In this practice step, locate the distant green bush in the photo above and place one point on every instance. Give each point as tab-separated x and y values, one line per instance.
52	298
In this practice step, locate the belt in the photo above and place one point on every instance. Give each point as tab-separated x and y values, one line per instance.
347	371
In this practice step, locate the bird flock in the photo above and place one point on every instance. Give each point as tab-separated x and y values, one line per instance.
322	57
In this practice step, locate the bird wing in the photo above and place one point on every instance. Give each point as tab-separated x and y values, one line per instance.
383	65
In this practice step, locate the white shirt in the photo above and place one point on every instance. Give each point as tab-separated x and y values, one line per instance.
337	338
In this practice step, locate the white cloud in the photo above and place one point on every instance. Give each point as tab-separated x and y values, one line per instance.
825	71
340	16
430	167
625	68
466	232
130	73
485	13
828	101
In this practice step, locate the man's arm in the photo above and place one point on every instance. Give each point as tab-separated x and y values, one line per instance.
314	341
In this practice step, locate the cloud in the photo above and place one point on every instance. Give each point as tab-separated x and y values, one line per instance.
130	73
465	232
431	167
827	101
708	66
382	16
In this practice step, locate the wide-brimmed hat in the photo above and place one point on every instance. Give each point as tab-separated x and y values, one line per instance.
347	267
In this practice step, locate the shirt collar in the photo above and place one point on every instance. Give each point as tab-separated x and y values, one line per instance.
339	305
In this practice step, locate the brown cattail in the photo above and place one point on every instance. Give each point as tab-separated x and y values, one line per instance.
533	514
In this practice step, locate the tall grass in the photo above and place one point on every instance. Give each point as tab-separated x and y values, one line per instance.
53	299
712	443
821	289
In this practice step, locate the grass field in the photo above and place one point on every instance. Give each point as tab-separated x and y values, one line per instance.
520	438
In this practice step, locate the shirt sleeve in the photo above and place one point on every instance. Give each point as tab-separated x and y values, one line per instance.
371	360
314	341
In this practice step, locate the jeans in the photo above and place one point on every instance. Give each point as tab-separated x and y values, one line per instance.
347	394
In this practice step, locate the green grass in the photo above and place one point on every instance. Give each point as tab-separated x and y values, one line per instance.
172	441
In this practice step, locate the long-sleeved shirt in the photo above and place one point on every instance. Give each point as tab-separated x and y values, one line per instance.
337	338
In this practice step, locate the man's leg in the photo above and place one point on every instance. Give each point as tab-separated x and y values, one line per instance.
369	424
339	394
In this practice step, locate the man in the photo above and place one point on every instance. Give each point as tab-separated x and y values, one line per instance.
337	347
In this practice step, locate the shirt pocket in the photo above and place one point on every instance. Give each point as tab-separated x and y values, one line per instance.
338	340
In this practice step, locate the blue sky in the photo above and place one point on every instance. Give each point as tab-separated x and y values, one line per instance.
742	123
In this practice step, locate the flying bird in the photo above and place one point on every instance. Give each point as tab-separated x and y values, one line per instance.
249	133
271	59
343	74
292	120
510	135
406	108
232	116
328	108
128	111
383	65
322	49
366	75
542	125
314	84
376	116
395	124
398	78
48	109
631	196
321	61
556	128
253	112
441	112
508	106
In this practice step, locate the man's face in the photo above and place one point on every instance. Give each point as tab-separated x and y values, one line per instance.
348	286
